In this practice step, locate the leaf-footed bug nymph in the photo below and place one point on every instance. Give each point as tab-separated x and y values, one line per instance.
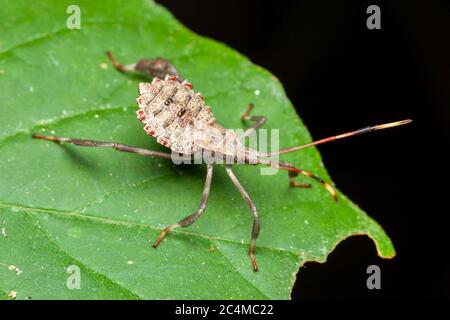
169	107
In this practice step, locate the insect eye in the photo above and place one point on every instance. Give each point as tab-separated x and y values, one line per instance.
168	101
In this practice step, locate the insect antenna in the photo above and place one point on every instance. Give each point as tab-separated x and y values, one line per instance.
337	137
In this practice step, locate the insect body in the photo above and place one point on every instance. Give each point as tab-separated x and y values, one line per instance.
179	119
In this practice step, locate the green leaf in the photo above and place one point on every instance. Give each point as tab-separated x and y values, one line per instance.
100	210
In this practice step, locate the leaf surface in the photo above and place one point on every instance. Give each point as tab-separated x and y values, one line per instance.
100	210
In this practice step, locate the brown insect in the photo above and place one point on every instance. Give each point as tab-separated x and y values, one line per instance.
179	119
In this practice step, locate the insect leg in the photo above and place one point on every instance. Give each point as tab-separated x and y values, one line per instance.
256	226
293	175
193	217
158	67
104	144
293	172
259	121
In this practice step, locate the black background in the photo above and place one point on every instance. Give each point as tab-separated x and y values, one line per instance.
342	76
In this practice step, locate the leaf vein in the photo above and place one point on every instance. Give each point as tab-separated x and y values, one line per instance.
78	261
93	218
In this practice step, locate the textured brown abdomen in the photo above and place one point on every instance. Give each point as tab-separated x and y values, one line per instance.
169	109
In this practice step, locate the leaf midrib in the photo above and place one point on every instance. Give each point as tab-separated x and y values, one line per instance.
30	211
113	221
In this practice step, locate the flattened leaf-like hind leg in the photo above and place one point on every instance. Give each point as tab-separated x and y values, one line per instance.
193	217
158	67
259	121
256	226
104	144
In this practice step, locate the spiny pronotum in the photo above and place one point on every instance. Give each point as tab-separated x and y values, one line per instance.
169	104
